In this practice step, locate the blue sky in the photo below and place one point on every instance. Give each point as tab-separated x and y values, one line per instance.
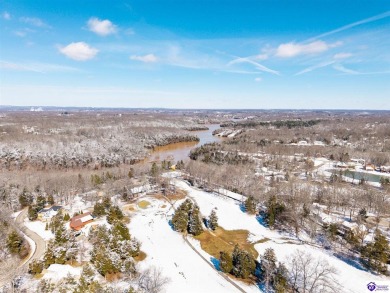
196	54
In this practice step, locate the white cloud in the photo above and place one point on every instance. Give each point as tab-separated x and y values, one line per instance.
101	27
292	49
6	15
33	21
79	51
258	79
342	55
149	58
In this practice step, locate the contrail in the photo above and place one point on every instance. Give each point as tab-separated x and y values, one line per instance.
351	25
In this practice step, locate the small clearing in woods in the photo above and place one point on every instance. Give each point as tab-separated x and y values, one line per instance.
213	242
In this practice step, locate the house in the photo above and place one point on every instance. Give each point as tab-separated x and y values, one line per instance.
46	214
79	221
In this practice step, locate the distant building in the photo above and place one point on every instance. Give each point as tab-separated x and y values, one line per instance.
47	213
79	221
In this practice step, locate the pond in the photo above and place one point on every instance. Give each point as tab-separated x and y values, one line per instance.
358	175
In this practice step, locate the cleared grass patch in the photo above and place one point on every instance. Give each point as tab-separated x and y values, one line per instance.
225	240
143	204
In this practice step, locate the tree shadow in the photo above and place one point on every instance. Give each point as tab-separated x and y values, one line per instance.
261	220
171	225
354	262
242	208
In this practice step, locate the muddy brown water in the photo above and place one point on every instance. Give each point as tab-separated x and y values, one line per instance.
179	151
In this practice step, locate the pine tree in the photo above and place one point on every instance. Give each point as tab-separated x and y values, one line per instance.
281	279
99	210
226	262
41	202
250	205
66	217
213	220
195	222
243	263
35	267
49	257
32	213
25	198
268	267
377	253
114	214
50	199
180	220
14	242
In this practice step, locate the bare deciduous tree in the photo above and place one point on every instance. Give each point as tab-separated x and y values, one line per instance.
310	275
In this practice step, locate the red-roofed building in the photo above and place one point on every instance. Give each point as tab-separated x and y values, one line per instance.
79	221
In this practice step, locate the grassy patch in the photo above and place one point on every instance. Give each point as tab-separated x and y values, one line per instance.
163	206
177	195
141	256
224	240
143	204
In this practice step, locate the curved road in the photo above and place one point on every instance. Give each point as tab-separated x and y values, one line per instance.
36	253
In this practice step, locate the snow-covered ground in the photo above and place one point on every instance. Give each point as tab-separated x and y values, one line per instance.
351	276
56	272
39	228
167	250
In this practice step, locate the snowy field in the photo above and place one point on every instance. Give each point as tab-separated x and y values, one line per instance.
167	250
39	228
352	278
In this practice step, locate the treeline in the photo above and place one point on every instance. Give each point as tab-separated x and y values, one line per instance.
278	124
212	153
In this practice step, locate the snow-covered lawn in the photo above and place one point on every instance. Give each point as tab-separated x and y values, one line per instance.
39	228
167	250
56	272
351	277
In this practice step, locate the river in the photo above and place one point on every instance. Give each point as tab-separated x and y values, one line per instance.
179	151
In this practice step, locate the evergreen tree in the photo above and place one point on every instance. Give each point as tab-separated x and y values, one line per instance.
32	213
120	232
14	242
41	202
49	257
195	222
213	220
376	254
274	210
50	199
180	220
268	267
250	205
66	217
281	279
99	210
154	170
226	262
25	198
35	267
243	263
114	214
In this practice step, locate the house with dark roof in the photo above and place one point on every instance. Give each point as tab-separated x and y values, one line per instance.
46	214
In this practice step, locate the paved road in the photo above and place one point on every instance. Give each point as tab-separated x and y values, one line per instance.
36	253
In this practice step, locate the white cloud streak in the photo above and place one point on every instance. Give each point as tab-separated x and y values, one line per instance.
101	27
256	64
149	58
34	21
343	69
293	49
36	67
351	25
79	51
311	68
